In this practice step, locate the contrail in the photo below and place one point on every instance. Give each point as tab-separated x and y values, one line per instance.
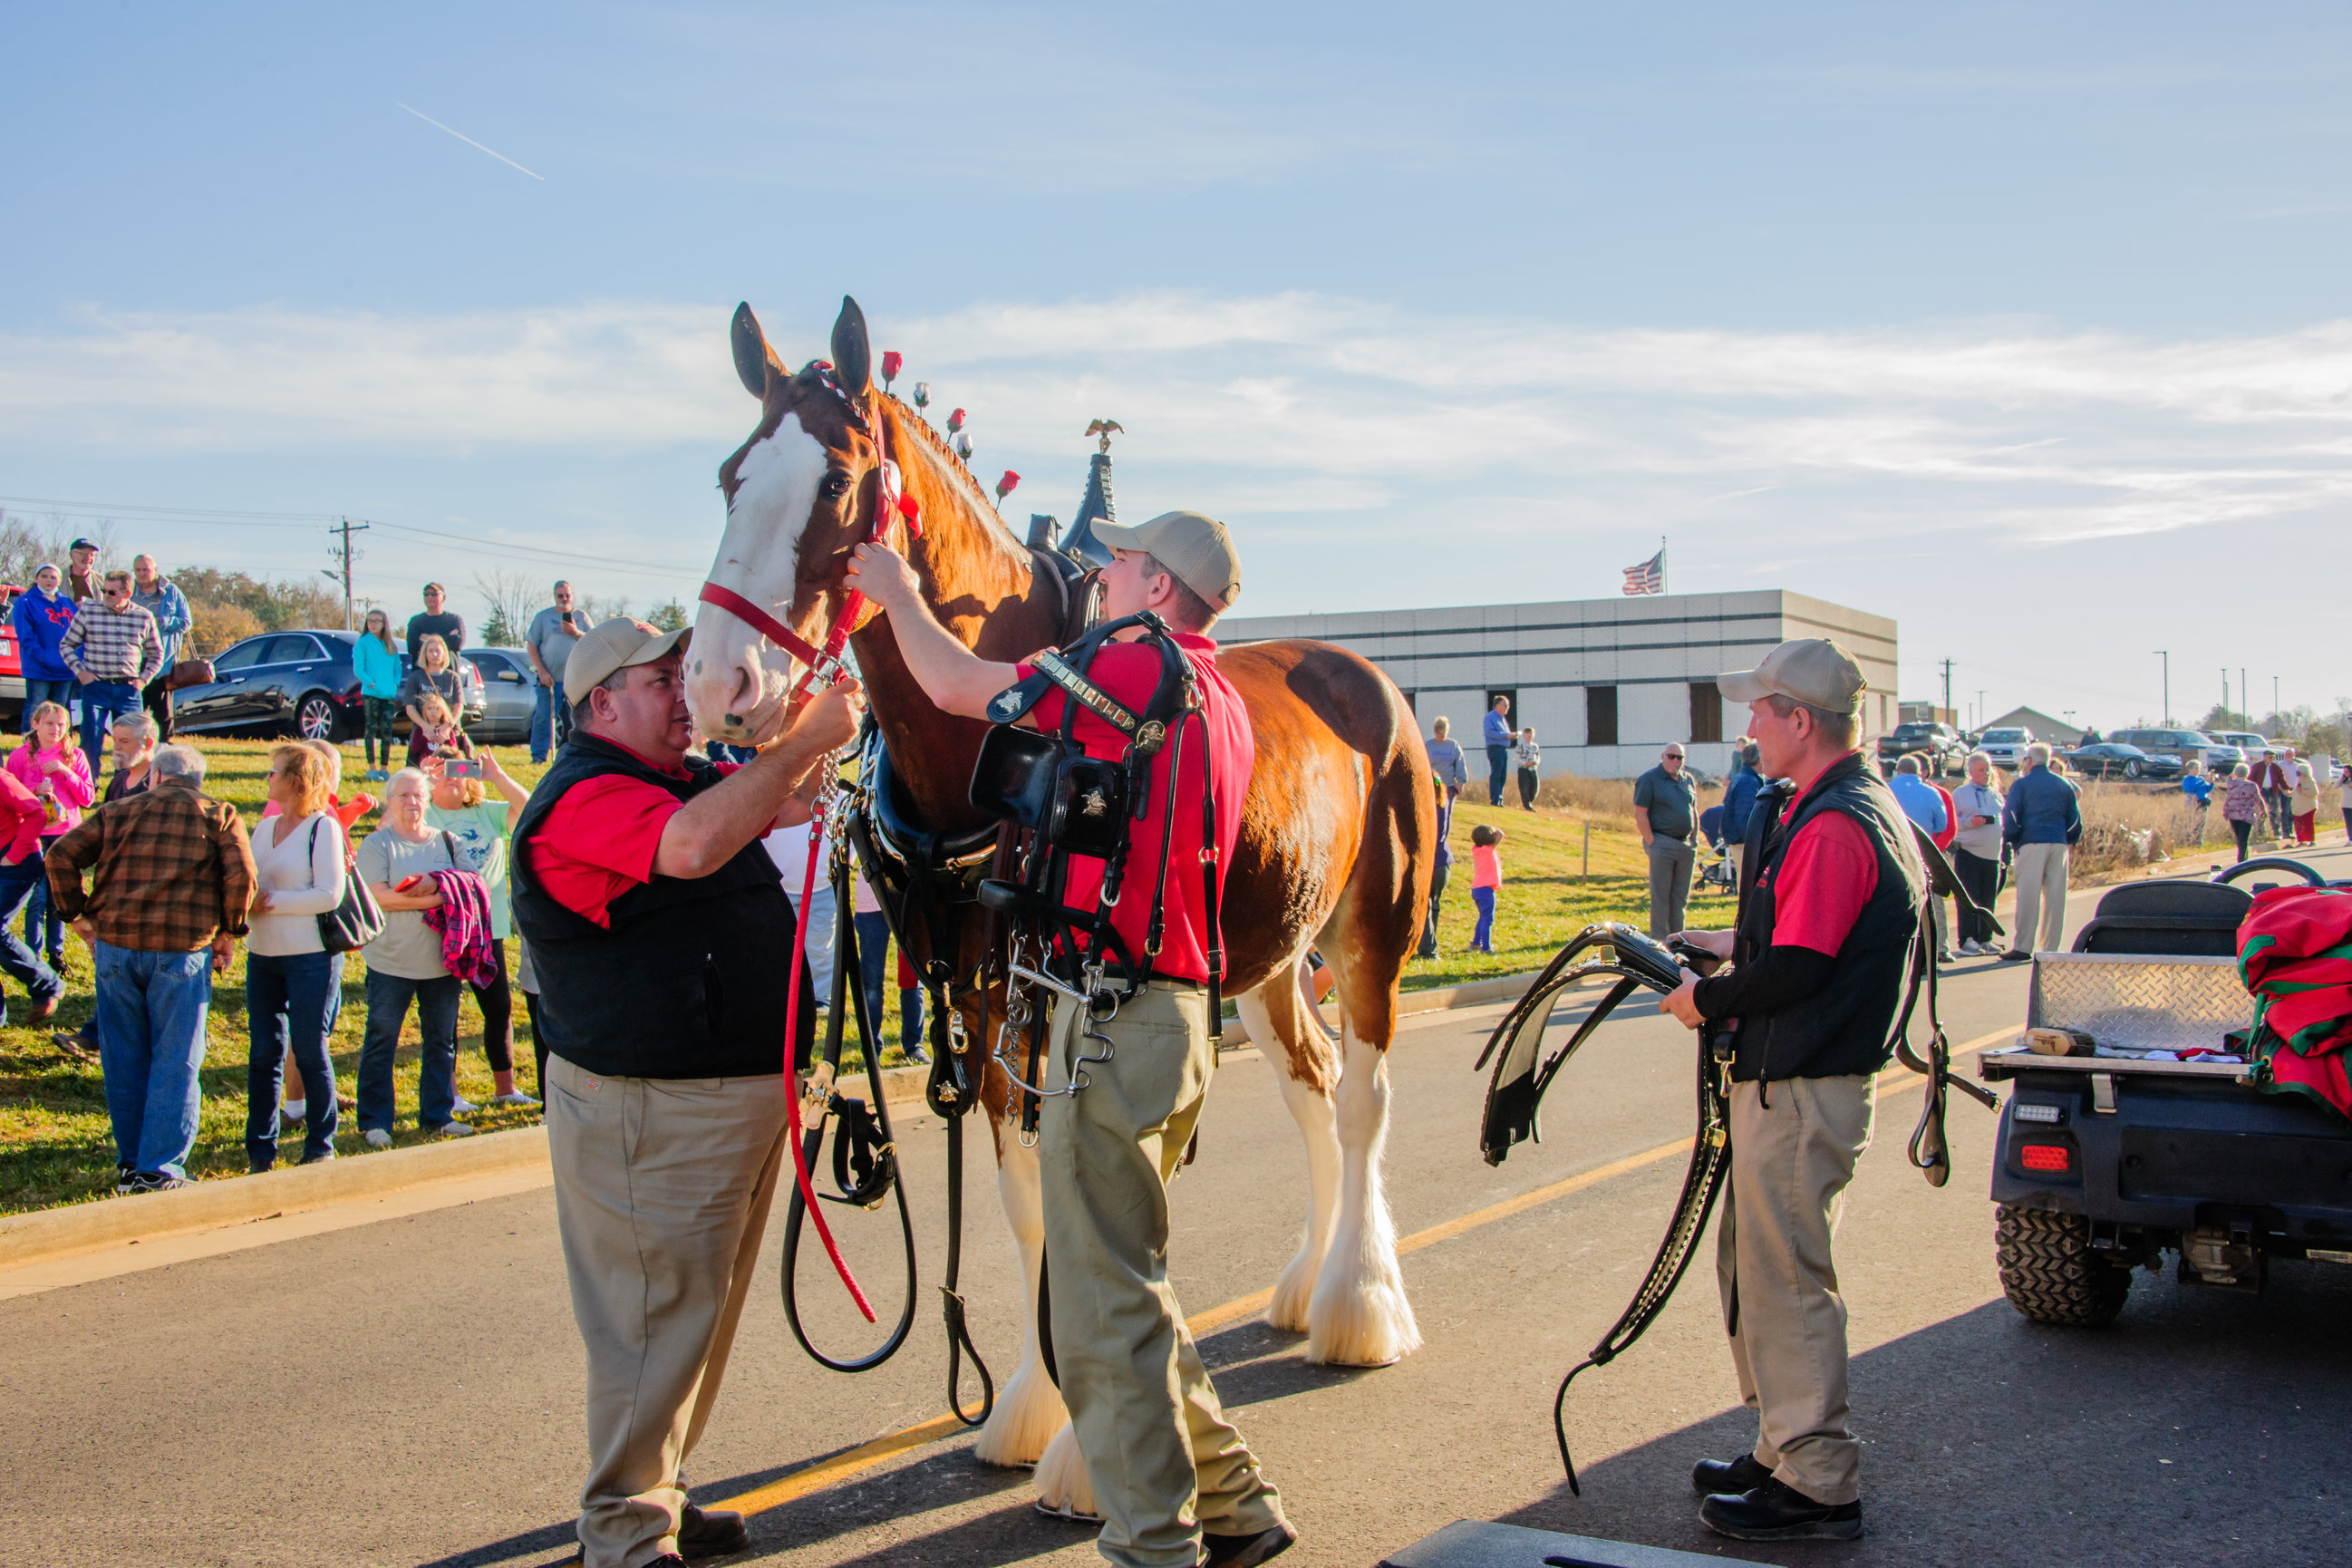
470	142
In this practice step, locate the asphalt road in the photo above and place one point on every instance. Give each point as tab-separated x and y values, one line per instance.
408	1392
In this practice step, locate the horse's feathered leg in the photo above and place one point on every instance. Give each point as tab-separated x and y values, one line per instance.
1308	1067
1029	1410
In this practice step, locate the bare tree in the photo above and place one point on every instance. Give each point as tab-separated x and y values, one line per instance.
509	599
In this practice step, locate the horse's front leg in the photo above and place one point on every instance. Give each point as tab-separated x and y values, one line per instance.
1359	1315
1307	1069
1029	1408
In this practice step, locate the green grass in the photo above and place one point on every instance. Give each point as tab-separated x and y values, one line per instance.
55	1146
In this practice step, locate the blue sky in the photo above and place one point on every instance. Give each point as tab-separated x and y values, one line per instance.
2025	327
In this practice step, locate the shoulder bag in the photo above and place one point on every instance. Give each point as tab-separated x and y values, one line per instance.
354	922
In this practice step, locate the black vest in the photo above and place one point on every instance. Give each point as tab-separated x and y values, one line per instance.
1844	1027
686	982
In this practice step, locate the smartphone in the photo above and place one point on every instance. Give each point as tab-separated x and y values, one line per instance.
460	768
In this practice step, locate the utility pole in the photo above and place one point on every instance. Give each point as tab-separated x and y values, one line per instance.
2275	702
346	528
2166	654
1947	690
1980	708
2225	694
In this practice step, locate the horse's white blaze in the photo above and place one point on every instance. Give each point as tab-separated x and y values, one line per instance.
1029	1408
1359	1316
736	677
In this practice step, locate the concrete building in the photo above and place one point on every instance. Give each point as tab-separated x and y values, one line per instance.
1605	682
2056	731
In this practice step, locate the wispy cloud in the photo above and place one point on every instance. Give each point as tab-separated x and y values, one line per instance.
1307	404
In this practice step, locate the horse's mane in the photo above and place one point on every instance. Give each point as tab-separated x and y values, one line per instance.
912	418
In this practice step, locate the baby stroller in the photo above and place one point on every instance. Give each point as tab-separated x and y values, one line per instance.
1715	863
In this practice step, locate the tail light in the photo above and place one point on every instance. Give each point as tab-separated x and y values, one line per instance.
2045	1156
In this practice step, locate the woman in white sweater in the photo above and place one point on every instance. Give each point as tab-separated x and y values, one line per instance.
292	982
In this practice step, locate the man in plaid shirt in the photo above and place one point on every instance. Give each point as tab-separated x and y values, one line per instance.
167	902
114	648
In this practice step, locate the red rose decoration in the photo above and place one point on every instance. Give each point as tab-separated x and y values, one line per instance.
955	420
1005	486
891	360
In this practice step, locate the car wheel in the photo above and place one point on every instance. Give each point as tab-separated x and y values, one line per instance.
315	718
2131	770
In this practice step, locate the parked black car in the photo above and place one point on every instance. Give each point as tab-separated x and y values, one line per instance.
1943	747
2114	759
294	683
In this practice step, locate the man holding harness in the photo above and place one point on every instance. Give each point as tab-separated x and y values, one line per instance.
1174	1480
1829	912
653	915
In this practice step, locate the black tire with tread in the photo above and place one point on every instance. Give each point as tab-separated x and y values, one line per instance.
2049	1271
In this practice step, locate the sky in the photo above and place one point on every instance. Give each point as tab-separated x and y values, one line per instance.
2027	326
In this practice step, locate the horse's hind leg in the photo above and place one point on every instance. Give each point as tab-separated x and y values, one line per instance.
1308	1067
1359	1315
1029	1408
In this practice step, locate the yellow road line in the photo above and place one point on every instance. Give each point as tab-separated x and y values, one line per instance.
866	1456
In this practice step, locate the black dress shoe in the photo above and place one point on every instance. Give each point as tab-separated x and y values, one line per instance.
2015	956
711	1532
1774	1511
1711	1476
1245	1551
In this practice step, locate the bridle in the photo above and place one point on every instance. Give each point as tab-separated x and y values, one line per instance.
822	667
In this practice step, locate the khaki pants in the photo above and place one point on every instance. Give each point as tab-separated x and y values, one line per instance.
1791	1161
1165	1463
2039	873
662	1188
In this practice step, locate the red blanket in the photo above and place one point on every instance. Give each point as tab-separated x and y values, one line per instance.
2294	954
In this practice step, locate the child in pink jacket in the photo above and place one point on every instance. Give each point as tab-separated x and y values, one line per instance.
57	771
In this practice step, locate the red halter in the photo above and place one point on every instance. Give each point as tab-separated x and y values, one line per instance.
821	666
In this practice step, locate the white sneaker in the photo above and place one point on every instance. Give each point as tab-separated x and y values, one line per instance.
453	1130
464	1107
1971	949
293	1112
377	1138
513	1097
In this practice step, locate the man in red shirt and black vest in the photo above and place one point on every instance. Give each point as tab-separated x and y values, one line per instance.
656	921
1829	909
1174	1482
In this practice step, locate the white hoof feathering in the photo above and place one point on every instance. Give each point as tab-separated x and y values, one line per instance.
1062	1483
1319	1128
1359	1316
1028	1413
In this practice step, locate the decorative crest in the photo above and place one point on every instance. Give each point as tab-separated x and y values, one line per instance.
1105	428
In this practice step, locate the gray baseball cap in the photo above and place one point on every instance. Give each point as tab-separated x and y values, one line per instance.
613	645
1197	548
1814	671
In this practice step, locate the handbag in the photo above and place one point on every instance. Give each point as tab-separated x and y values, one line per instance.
189	672
354	922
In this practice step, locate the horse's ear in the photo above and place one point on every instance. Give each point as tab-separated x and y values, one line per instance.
752	355
853	356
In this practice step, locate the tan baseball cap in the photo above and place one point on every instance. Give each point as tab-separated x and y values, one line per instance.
1197	548
612	646
1814	671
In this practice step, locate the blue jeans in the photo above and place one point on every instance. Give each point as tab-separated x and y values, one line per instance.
44	932
1498	768
101	702
18	883
388	997
39	692
290	1004
551	720
873	947
151	1016
1483	939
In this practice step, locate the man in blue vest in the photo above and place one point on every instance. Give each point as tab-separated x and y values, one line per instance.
655	919
1820	954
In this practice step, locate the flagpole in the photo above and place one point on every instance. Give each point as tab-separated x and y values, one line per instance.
1664	588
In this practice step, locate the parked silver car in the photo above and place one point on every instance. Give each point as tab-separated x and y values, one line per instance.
509	690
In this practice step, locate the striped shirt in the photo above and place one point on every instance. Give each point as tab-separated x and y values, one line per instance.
173	868
107	644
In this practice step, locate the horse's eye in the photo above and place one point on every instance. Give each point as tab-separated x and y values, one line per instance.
836	485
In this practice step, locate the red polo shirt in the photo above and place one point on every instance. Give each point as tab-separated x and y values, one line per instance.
1825	875
600	839
1130	673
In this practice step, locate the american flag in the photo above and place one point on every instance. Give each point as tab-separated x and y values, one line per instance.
1649	577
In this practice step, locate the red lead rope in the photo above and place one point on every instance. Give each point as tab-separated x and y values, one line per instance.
820	665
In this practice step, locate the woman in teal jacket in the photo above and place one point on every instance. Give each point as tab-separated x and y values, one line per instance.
376	660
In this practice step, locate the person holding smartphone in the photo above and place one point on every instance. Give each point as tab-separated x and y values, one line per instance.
554	632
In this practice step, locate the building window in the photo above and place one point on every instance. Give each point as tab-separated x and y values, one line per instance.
1413	704
1706	711
1599	715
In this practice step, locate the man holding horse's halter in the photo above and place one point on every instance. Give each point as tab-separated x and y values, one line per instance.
653	915
1174	1480
1829	912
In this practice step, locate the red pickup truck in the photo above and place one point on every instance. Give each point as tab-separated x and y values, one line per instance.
12	668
